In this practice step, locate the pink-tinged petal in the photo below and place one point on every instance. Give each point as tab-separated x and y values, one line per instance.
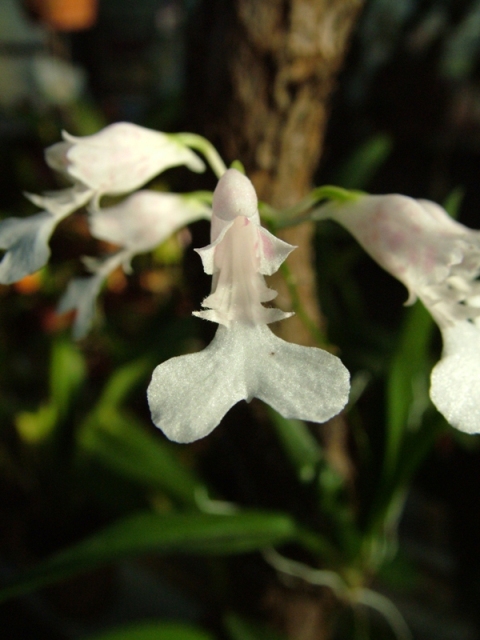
234	196
189	395
455	379
238	287
272	252
240	253
119	158
25	241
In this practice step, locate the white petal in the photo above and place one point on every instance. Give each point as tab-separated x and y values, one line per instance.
189	395
273	252
26	243
56	156
63	202
145	219
455	379
299	382
81	293
121	158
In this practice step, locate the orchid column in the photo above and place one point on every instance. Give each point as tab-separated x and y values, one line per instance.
189	395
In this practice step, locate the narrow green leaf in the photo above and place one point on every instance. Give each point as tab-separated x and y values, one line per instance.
365	161
155	631
67	373
406	386
123	444
148	532
121	383
239	628
299	445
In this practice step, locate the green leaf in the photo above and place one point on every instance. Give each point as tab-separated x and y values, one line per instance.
155	631
365	161
407	392
67	374
123	444
122	382
240	628
148	532
298	443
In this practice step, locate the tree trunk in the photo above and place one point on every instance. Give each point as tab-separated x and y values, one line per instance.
261	75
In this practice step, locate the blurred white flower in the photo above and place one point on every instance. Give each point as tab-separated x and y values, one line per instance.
438	260
137	224
116	160
58	81
120	158
25	240
189	395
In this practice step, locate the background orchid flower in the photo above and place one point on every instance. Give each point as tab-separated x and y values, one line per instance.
137	225
188	395
118	159
438	260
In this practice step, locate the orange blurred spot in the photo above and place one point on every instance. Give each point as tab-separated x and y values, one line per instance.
52	321
117	281
66	15
29	284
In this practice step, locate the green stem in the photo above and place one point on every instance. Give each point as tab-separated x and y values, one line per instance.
201	144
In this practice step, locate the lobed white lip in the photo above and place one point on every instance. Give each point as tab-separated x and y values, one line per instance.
189	395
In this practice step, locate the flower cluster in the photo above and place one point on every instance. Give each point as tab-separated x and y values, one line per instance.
116	161
438	260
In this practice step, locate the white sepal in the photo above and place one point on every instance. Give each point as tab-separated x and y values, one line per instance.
25	241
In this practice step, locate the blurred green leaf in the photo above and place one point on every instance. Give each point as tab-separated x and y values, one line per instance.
121	383
407	390
121	443
365	161
67	374
299	445
239	628
148	532
155	631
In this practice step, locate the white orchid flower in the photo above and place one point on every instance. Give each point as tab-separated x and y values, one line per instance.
189	394
118	159
137	225
438	260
